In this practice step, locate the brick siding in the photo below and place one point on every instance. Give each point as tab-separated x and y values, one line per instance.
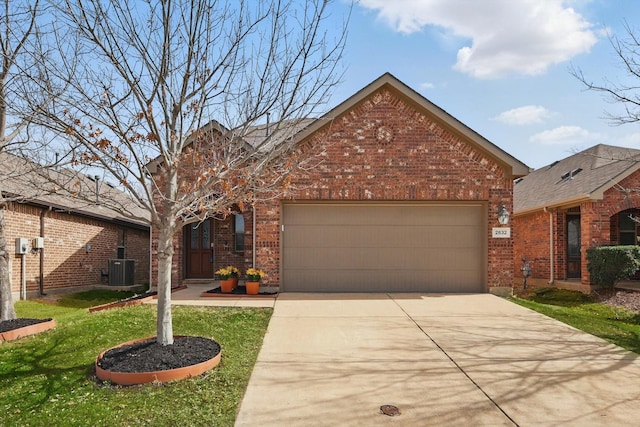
598	227
223	251
67	263
386	149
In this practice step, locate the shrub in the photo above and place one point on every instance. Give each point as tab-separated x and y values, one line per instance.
609	264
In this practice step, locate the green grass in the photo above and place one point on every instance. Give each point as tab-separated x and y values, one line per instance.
92	298
617	325
48	379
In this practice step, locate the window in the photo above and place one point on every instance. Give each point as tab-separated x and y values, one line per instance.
238	232
627	228
122	238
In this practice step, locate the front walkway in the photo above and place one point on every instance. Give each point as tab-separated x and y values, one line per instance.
442	360
192	296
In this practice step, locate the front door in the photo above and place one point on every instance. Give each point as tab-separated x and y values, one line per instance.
573	247
199	254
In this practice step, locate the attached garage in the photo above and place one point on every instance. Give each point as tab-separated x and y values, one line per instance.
384	247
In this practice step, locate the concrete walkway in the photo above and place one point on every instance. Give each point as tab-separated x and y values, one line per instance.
443	360
192	295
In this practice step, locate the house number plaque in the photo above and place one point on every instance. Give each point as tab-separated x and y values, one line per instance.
501	232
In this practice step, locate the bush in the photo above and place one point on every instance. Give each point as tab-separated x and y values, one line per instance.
609	264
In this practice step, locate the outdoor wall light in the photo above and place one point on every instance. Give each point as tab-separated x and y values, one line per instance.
503	215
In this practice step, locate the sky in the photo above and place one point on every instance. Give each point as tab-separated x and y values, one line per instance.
501	67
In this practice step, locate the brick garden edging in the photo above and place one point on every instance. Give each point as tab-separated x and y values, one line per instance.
129	302
36	328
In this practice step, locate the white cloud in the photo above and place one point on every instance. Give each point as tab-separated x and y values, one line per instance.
427	85
506	36
525	115
565	135
631	140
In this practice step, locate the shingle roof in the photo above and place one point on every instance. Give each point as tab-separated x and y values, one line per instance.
582	176
21	182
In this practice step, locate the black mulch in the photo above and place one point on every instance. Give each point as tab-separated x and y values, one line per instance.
149	356
240	290
21	322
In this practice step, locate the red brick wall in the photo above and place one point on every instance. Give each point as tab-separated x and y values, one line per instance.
224	253
531	241
66	260
531	232
385	149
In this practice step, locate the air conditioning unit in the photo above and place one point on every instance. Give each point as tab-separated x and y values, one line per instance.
121	272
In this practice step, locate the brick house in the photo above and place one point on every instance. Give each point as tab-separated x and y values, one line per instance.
562	209
79	239
405	199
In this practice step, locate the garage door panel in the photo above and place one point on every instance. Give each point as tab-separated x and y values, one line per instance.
380	259
379	214
371	281
333	236
359	247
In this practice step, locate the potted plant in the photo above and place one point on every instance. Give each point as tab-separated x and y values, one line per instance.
226	283
254	276
235	274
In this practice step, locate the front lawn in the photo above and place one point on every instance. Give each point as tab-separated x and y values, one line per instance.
48	379
617	325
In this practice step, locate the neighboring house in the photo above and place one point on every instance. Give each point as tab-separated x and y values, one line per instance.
406	199
583	201
78	239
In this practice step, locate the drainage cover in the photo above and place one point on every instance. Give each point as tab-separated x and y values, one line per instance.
390	410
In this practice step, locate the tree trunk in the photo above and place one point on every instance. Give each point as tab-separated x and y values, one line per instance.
6	300
165	260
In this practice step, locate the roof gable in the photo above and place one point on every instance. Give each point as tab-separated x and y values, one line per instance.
583	176
512	166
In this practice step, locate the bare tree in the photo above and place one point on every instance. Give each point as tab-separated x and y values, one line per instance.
164	98
17	30
627	51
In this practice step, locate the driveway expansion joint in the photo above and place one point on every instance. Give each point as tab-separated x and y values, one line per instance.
460	368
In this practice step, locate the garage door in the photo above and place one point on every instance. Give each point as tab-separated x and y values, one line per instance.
384	248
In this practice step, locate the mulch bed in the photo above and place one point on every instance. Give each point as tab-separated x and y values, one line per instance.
618	298
239	291
610	296
149	356
21	322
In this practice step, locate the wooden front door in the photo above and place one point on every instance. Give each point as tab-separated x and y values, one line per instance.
199	253
573	247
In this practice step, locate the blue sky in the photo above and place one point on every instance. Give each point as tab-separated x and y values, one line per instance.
499	66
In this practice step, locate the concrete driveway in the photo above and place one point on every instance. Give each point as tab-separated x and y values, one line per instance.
443	360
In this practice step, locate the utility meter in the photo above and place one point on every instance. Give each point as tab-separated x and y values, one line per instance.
22	245
38	243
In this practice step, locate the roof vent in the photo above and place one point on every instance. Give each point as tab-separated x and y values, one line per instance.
570	174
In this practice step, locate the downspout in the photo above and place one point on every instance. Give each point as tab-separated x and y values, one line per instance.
551	256
43	213
253	237
150	257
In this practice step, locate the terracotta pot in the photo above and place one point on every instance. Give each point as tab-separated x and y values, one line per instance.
14	334
226	286
133	378
253	288
235	282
